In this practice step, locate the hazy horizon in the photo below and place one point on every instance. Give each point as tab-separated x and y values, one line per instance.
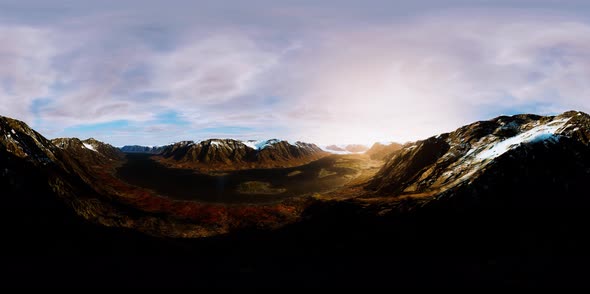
331	72
321	145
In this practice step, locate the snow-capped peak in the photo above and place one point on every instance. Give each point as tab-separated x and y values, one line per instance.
260	144
216	143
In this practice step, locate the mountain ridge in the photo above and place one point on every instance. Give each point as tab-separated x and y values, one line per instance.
380	151
142	149
235	154
446	160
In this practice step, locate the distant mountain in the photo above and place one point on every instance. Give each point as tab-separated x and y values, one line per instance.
356	148
89	151
381	151
350	148
234	154
141	149
335	148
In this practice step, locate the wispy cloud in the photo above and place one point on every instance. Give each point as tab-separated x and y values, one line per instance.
26	72
328	73
436	73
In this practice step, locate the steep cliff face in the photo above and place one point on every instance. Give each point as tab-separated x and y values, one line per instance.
234	154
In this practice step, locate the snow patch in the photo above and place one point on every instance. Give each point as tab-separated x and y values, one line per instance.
261	144
251	143
12	131
88	146
539	133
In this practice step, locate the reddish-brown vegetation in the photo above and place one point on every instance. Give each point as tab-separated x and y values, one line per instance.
233	216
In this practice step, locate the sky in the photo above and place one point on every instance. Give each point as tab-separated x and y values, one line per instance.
328	72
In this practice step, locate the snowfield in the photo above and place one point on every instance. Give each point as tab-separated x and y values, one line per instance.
88	146
539	133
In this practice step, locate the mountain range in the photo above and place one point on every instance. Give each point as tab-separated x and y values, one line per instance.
233	154
229	154
501	201
142	149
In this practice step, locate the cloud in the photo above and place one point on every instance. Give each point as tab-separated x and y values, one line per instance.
25	72
409	81
300	72
212	70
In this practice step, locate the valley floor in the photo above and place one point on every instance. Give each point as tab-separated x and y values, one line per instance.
253	186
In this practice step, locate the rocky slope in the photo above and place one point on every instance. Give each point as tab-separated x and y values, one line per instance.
43	191
89	151
234	154
458	158
381	151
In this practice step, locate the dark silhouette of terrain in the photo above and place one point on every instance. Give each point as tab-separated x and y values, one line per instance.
496	203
